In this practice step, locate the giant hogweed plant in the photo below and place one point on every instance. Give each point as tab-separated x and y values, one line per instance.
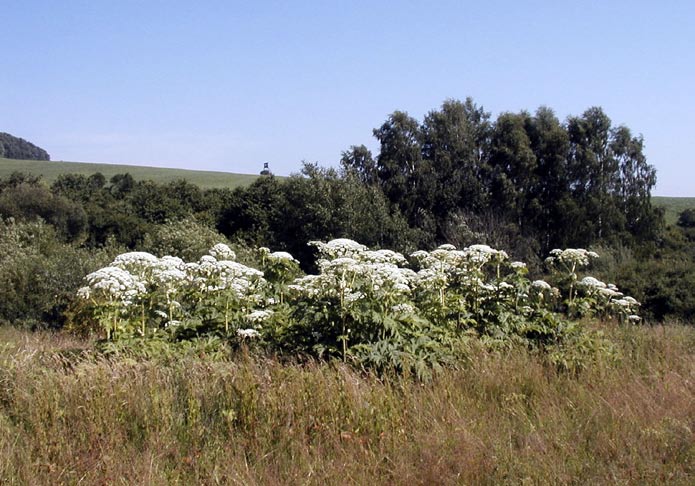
140	295
375	308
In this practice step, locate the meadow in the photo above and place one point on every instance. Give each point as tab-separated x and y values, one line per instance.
70	416
51	170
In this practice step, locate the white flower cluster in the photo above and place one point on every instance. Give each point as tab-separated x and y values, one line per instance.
592	283
222	252
448	266
248	333
357	282
571	257
113	283
518	265
259	316
340	247
403	309
134	261
448	258
627	306
281	256
211	275
610	293
142	275
350	270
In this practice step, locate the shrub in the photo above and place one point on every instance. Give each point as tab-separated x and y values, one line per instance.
38	274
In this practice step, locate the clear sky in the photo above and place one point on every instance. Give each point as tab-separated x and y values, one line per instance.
224	85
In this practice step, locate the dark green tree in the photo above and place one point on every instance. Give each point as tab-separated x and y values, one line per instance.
399	160
358	160
455	144
513	169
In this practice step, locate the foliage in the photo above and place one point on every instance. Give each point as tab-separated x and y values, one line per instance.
577	183
319	204
31	200
672	207
39	275
686	219
186	238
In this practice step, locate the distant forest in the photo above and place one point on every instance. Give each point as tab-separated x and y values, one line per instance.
523	182
12	147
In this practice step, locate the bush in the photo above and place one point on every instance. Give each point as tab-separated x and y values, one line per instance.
187	238
39	275
31	201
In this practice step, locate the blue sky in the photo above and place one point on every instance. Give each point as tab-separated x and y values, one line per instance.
224	85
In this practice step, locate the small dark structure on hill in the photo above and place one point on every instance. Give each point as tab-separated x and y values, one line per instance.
266	170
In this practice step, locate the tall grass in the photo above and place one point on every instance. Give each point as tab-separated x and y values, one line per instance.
69	417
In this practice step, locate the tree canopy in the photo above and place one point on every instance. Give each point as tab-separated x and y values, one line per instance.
572	183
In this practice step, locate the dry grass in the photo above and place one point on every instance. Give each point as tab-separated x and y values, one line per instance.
502	419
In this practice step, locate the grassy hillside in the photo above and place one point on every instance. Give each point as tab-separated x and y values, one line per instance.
69	417
673	206
51	170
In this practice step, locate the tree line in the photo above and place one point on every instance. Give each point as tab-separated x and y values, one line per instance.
12	147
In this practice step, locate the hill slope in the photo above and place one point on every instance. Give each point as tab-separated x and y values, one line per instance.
51	170
673	206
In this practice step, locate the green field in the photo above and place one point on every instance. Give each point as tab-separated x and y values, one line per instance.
51	170
673	206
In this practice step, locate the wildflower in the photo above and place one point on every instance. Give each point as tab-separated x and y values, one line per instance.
354	296
631	300
571	257
222	252
84	292
115	283
338	247
592	282
259	316
134	259
384	256
403	309
248	333
282	255
541	285
610	293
